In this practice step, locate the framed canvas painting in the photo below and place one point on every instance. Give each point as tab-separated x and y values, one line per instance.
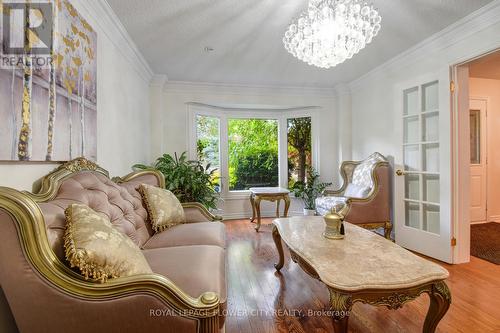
48	82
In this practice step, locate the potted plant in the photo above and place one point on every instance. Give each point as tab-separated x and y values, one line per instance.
189	181
309	190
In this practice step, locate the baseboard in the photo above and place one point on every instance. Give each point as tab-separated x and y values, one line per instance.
495	218
248	215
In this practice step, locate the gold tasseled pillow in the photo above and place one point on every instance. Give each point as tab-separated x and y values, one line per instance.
164	209
97	248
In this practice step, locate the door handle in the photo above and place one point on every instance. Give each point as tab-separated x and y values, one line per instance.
400	172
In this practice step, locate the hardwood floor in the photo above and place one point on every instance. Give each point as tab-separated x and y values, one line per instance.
261	300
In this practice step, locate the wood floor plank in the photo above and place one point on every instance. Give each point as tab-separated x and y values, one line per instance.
262	300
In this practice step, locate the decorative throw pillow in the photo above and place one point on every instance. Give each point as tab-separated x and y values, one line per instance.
98	249
164	209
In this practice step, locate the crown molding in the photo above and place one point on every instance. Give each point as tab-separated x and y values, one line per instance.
238	89
158	81
451	35
100	13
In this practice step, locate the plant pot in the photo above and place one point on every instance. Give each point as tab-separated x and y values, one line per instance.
309	212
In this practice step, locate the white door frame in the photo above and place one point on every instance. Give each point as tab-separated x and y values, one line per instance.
460	200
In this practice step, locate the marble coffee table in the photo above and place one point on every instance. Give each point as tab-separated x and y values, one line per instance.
258	194
363	267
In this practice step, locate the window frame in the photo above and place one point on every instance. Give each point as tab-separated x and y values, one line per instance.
223	114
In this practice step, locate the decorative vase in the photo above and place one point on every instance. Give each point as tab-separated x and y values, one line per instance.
309	212
334	228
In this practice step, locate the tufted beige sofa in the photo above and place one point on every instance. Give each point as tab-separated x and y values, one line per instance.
187	293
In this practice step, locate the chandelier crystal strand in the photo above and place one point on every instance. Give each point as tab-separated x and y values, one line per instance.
332	31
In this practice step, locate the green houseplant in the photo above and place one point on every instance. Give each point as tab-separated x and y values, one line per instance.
309	190
188	180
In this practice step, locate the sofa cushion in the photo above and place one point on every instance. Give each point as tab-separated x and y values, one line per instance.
98	249
164	209
194	269
356	191
201	233
324	205
362	174
97	191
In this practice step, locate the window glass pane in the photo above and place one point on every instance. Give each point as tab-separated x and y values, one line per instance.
411	130
430	96
412	214
253	153
208	145
411	101
431	219
475	137
299	149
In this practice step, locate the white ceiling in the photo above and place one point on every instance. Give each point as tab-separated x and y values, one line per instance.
247	38
487	67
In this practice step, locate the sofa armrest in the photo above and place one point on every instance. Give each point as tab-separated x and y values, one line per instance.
196	212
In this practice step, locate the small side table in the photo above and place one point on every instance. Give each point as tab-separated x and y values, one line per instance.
257	194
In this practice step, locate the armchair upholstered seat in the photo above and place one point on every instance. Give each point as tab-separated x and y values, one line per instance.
366	190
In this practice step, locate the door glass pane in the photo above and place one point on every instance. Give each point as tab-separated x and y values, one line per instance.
411	158
430	156
431	188
253	153
431	218
475	137
430	127
412	212
299	149
208	146
411	101
430	97
412	187
411	130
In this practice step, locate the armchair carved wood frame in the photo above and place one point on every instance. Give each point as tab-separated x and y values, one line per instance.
33	249
373	210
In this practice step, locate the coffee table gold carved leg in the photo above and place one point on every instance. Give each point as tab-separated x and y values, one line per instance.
440	297
287	205
252	203
341	305
279	247
257	209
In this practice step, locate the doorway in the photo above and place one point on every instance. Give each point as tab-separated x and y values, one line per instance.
477	185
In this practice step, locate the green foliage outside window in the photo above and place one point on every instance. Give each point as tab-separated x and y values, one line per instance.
253	153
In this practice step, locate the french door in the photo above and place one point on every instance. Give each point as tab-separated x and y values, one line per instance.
422	219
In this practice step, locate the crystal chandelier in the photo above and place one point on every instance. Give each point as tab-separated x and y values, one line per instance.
332	31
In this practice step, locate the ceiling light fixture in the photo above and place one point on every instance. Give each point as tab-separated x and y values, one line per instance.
332	31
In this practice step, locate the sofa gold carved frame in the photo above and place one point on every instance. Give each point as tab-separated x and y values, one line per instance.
24	210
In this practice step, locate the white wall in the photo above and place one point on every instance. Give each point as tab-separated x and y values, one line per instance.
123	119
175	123
374	113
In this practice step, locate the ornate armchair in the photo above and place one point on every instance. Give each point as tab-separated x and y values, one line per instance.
366	190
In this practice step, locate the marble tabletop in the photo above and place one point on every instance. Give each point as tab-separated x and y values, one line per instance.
362	260
268	190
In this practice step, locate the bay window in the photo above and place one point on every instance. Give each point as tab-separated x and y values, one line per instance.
253	148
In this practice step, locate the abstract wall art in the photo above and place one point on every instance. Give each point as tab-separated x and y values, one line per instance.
48	111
